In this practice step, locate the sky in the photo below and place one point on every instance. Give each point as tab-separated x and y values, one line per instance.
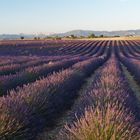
54	16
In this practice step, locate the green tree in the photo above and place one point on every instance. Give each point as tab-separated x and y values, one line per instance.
22	37
35	38
101	35
73	36
92	36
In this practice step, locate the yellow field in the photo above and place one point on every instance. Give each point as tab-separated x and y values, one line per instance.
116	38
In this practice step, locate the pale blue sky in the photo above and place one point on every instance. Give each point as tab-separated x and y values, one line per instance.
49	16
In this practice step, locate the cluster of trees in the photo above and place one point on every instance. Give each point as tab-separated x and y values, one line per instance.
94	36
35	38
75	37
69	37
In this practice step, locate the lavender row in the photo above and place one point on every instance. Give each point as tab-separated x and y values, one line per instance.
128	50
4	61
51	48
106	111
133	66
13	68
25	112
28	48
33	73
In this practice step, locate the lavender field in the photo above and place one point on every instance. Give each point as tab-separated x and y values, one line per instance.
70	90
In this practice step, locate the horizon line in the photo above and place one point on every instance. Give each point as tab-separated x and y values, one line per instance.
51	33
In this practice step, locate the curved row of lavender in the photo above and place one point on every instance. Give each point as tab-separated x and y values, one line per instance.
132	64
31	74
92	49
19	74
107	111
26	111
12	65
129	49
14	68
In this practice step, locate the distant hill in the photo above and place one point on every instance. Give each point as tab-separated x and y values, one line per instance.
98	33
18	36
74	32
